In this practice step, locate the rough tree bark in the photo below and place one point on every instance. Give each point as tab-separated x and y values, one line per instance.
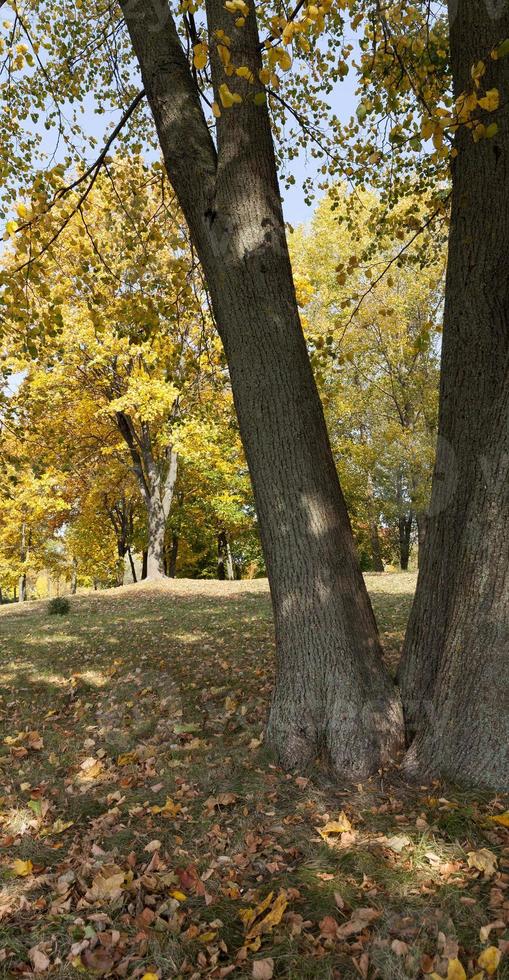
455	676
333	697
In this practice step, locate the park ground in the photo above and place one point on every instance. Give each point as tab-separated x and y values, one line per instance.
144	831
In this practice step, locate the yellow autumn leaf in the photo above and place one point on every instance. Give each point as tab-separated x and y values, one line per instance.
245	72
170	809
228	98
207	937
477	71
200	55
284	59
273	917
126	759
150	976
501	818
22	868
216	111
490	959
237	7
340	826
249	915
491	100
179	896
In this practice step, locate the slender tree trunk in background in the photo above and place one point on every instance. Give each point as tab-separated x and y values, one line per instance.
74	576
376	550
421	519
172	561
373	512
144	562
333	697
121	552
24	551
405	531
456	657
131	562
224	558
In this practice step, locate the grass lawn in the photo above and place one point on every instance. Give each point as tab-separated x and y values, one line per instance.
143	830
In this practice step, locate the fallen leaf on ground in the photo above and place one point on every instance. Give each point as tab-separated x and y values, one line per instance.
455	971
107	884
501	818
398	843
483	860
484	931
490	959
263	969
340	826
22	868
38	959
271	919
359	920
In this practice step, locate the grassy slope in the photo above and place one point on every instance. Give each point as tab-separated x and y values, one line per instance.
146	693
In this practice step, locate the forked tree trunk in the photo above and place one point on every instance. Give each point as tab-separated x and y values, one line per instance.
455	672
333	697
156	479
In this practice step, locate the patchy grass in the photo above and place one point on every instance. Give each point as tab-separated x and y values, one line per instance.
140	818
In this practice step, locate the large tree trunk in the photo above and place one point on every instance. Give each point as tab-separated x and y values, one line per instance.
156	534
333	697
455	672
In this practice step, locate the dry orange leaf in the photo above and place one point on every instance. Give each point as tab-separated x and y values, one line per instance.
502	819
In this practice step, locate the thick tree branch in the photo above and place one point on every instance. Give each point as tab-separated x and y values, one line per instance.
188	149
